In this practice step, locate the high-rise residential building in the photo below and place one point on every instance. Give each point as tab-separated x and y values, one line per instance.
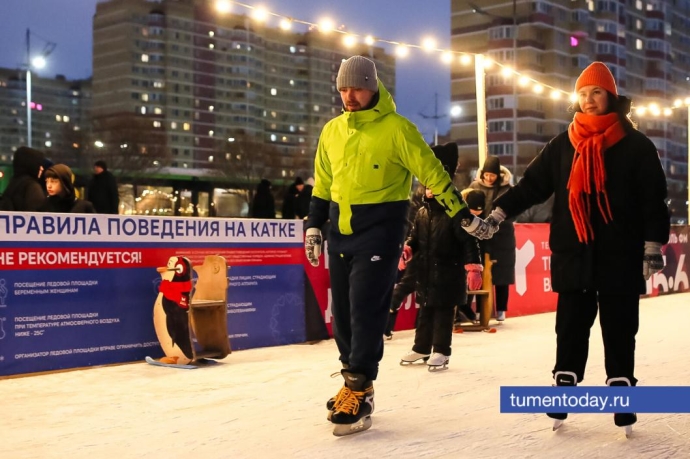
214	87
59	111
645	43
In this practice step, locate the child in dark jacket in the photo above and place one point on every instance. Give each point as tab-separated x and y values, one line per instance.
62	197
443	251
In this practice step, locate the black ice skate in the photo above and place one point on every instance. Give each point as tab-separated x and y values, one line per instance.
624	420
438	362
413	357
353	406
563	378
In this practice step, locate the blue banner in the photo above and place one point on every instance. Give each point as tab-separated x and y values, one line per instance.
78	291
590	399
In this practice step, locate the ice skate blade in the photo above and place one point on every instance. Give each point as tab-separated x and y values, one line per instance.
341	430
556	424
436	368
628	430
413	362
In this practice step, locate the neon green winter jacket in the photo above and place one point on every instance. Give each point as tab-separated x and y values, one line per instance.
363	175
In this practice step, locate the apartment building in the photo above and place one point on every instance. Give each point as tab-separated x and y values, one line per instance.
203	82
59	111
646	43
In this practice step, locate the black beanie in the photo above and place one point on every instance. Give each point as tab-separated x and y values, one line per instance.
448	155
475	199
492	165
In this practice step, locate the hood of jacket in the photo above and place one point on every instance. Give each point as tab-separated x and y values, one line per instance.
27	161
64	174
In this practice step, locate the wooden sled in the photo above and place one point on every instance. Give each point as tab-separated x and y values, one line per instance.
485	302
208	311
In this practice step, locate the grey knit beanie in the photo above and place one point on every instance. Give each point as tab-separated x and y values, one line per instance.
357	72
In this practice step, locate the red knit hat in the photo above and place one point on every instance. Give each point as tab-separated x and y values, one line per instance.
598	74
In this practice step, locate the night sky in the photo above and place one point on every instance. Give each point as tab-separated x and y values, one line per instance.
68	23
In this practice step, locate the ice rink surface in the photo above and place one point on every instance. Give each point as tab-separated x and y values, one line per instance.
270	402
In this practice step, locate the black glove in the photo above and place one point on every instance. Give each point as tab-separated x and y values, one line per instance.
653	261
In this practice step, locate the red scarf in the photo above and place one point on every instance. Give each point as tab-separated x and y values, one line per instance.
591	135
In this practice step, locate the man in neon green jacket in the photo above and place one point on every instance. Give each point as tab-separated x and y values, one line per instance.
363	171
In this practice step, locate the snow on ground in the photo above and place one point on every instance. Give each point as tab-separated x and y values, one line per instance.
270	402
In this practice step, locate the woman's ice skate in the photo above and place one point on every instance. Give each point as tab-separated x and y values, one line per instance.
413	357
438	362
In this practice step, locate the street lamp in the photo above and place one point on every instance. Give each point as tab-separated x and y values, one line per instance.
37	62
434	117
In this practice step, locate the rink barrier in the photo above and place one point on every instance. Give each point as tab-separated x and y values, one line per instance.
76	290
531	293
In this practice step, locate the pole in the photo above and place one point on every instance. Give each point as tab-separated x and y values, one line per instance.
434	117
481	107
688	184
515	101
28	89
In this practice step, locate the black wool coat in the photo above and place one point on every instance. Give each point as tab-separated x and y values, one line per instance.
501	247
636	188
441	249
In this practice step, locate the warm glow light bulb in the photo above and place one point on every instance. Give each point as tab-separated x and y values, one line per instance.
369	40
285	24
555	94
326	25
401	51
260	14
538	88
349	41
447	57
223	6
465	59
523	81
429	44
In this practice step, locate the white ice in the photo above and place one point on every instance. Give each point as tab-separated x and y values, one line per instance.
270	402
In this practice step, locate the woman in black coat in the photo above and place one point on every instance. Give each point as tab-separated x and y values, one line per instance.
609	223
494	181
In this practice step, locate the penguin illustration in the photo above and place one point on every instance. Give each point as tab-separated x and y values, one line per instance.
170	312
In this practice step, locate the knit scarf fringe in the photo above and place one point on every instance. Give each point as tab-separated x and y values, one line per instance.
591	135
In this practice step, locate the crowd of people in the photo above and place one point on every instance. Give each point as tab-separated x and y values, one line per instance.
38	185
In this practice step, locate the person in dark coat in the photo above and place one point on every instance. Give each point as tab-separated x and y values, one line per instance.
610	220
303	199
263	205
441	251
494	180
437	252
288	210
62	197
102	190
24	193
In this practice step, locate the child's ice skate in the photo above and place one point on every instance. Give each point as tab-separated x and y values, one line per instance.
563	378
624	420
353	406
438	362
413	357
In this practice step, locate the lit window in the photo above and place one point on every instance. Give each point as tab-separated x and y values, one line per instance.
186	126
211	33
273	137
211	46
144	58
58	118
274	91
639	44
210	133
158	110
316	108
156	124
210	108
210	159
143	110
49	143
173	125
65	119
145	97
292	82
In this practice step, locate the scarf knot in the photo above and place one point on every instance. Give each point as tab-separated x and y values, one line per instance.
591	135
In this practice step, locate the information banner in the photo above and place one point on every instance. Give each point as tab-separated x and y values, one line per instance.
79	290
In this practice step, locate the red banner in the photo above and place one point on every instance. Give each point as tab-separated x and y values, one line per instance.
532	292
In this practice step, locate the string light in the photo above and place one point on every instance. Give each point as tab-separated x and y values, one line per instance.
429	45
